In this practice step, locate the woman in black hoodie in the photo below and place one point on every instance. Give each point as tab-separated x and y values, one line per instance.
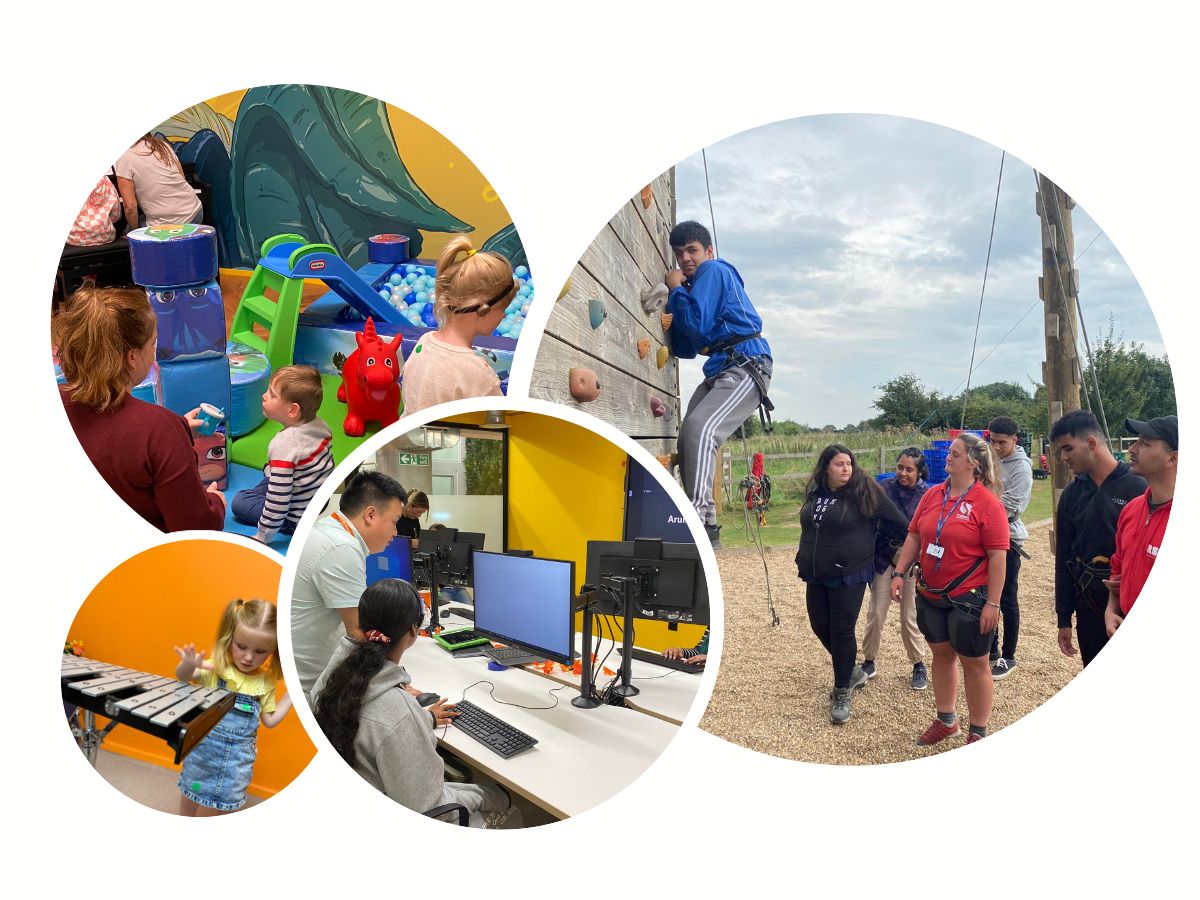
843	511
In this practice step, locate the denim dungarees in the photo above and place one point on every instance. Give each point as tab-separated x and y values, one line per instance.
217	771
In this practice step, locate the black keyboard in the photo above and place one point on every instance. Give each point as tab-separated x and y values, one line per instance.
496	734
679	665
461	637
462	612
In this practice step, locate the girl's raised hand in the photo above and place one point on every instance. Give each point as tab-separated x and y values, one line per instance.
190	656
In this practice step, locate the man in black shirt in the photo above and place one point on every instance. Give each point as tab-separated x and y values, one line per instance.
1086	529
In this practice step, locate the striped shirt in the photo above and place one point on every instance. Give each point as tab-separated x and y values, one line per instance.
299	459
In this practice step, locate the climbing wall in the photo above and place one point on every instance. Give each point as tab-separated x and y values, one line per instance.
600	325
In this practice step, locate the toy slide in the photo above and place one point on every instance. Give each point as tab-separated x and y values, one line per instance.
321	261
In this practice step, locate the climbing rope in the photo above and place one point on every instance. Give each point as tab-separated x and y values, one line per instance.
962	422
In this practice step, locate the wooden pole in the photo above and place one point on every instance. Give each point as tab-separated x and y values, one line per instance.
1061	372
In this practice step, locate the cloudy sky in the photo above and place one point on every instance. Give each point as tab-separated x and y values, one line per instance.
862	242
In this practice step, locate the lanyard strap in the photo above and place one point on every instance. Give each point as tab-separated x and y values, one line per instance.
943	518
346	524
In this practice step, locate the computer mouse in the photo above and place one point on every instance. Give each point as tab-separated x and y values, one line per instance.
428	699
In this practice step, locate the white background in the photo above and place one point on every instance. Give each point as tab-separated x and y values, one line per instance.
569	110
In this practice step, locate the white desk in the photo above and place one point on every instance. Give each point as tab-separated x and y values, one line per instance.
583	756
664	693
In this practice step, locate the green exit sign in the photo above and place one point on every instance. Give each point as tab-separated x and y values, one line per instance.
414	459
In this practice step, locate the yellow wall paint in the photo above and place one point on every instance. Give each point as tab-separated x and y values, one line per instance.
442	170
566	486
174	594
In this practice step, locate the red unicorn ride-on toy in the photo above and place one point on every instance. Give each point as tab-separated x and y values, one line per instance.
371	382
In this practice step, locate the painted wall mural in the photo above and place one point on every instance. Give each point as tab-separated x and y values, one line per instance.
330	164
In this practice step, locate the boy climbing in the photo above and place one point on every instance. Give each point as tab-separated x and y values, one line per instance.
713	317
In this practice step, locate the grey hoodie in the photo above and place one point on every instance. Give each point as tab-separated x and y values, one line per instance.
394	747
1016	474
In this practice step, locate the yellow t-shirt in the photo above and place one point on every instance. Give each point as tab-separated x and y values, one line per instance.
258	684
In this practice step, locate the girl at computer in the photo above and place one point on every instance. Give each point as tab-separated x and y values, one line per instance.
365	703
217	772
473	291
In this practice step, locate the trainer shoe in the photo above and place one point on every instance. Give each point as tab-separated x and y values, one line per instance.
938	731
1002	668
973	737
839	712
868	667
920	679
858	678
714	535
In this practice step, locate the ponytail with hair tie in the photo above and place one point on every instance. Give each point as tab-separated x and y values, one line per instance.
376	636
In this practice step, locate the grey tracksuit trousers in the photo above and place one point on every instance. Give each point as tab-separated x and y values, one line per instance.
716	409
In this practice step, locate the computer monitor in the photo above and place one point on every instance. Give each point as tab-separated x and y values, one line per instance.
649	509
431	536
526	602
457	567
394	561
475	538
672	586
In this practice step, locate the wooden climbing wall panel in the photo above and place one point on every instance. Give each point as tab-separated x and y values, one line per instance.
629	256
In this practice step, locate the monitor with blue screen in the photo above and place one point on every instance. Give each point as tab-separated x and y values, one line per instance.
526	602
394	561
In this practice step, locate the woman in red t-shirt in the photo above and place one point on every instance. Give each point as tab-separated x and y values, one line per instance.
106	341
959	536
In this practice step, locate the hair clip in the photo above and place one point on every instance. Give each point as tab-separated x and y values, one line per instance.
376	636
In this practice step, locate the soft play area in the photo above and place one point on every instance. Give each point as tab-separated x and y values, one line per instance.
295	181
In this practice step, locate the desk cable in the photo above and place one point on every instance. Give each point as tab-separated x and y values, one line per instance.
550	691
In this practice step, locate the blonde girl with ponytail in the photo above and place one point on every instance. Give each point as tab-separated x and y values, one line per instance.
473	289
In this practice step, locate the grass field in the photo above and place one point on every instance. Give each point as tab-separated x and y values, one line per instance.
783	519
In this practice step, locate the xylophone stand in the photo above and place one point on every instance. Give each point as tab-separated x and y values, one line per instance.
88	736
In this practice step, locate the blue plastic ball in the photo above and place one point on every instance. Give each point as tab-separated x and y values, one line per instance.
521	271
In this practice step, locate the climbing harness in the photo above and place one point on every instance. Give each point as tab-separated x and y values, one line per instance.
756	489
753	367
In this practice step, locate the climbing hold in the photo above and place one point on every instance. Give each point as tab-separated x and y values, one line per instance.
565	290
596	312
584	385
643	348
653	298
658	407
666	319
664	459
663	356
647	196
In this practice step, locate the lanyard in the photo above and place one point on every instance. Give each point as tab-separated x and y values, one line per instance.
350	530
943	518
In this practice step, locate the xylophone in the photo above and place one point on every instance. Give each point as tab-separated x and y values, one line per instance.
178	712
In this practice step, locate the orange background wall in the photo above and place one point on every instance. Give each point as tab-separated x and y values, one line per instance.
174	594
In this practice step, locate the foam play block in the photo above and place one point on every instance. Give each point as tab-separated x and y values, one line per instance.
191	321
212	458
185	385
249	377
172	256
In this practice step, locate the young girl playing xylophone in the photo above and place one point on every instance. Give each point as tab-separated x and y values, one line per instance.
245	660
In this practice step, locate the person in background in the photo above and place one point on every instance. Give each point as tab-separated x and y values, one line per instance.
1016	475
152	187
1143	522
106	338
695	656
332	573
409	524
905	491
95	224
1086	529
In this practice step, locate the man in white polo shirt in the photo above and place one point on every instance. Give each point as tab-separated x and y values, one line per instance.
332	574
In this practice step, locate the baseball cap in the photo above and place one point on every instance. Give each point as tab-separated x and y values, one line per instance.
1163	428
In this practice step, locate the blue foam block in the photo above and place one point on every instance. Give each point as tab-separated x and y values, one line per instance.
191	321
185	385
242	478
212	458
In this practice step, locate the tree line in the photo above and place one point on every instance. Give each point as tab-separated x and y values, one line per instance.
1133	384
